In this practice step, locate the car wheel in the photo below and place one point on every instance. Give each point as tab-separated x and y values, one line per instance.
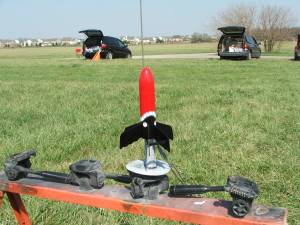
109	55
128	56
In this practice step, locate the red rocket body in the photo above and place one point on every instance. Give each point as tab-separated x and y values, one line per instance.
148	128
147	94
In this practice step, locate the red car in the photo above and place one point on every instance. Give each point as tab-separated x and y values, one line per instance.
297	49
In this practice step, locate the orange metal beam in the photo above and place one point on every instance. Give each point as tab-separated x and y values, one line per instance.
193	210
1	198
18	208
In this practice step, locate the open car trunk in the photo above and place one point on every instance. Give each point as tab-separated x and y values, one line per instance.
94	37
232	30
92	33
232	40
93	42
232	44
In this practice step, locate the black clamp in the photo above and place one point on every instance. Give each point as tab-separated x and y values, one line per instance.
242	190
148	187
87	174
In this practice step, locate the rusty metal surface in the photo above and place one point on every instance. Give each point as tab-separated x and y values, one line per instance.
19	209
194	210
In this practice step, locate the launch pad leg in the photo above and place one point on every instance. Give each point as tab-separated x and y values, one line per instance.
19	209
1	198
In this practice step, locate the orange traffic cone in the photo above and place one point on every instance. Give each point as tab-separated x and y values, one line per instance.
96	57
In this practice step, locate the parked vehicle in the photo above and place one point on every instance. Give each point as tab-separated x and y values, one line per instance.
109	47
234	43
114	48
297	49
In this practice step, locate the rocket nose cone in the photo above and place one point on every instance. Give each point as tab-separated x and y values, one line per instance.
147	92
146	75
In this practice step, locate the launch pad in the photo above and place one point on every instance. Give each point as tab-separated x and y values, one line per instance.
138	167
115	197
149	177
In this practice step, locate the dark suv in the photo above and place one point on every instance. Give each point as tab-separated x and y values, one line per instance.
234	43
114	48
297	49
110	47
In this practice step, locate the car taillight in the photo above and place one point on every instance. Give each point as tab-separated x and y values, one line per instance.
245	46
103	46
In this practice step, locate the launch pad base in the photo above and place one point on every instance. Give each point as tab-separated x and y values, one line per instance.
138	167
115	197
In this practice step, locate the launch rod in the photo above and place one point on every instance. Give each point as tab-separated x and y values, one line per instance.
142	33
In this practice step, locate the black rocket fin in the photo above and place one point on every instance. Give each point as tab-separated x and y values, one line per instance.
162	139
147	129
165	129
131	134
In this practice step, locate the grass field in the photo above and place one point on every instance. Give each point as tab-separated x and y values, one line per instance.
229	118
286	49
160	49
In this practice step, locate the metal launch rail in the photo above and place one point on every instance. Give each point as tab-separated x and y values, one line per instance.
115	197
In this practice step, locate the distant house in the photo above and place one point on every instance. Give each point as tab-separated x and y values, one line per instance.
130	40
12	44
147	41
27	43
175	39
39	42
67	41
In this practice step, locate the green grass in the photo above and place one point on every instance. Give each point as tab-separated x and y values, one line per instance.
284	49
162	49
229	118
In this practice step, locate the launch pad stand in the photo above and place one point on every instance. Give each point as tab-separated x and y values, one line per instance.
114	197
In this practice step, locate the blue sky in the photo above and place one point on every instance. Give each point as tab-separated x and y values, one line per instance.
64	18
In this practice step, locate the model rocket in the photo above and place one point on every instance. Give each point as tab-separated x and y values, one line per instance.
153	132
148	128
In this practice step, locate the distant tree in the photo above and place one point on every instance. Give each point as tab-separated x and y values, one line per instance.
238	14
160	40
176	36
274	24
197	37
